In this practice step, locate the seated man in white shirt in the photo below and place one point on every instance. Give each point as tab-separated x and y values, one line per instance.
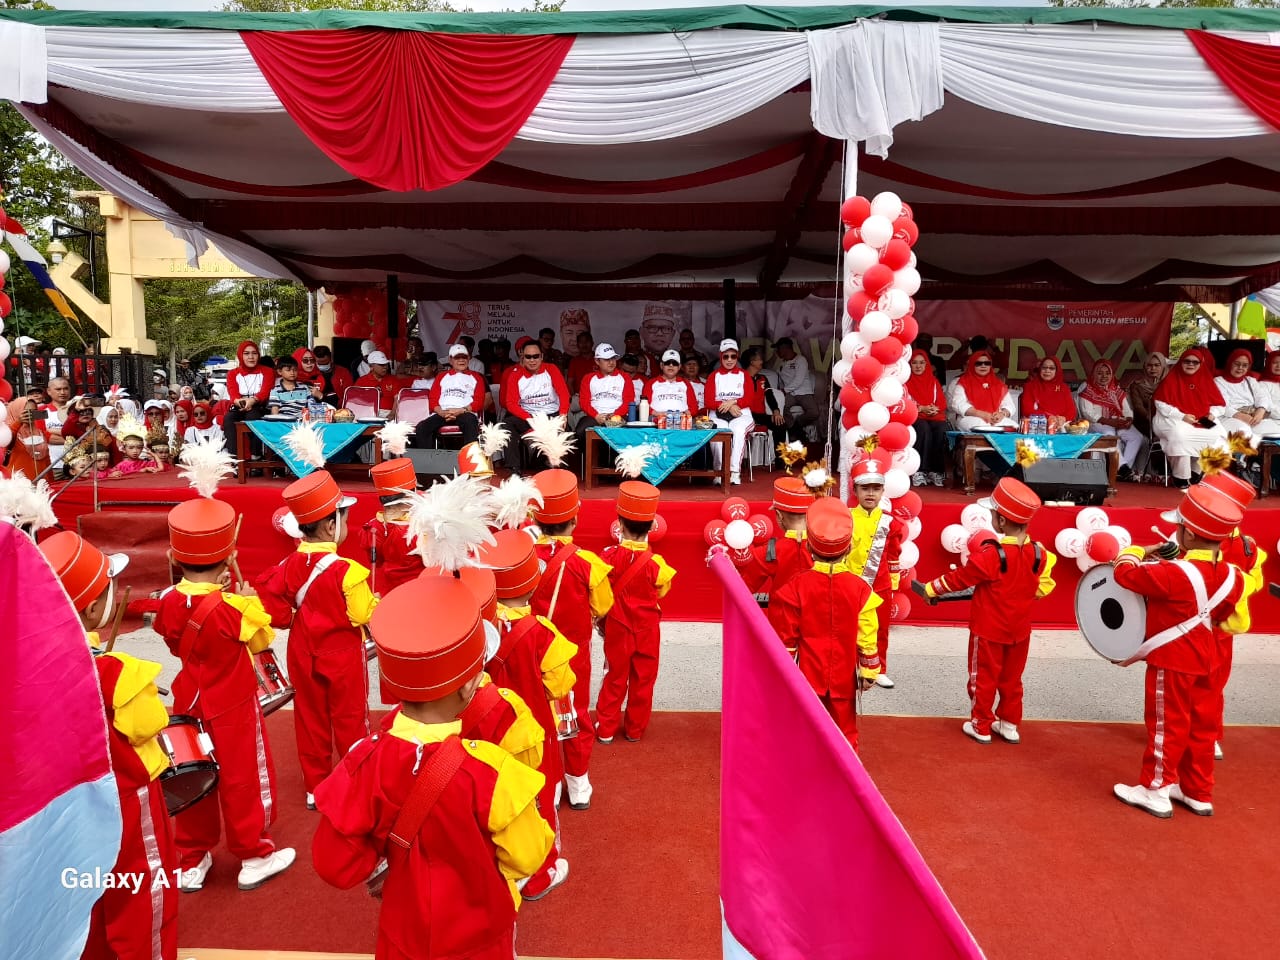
796	383
605	395
456	398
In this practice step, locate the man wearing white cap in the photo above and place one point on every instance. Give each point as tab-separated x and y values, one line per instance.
670	393
730	397
603	395
379	377
456	399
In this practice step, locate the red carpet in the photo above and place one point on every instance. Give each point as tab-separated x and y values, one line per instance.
687	508
1039	859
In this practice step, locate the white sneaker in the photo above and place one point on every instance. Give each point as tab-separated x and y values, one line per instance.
559	874
311	801
1199	807
192	879
256	871
735	479
971	731
882	680
1217	750
1154	802
939	480
1006	731
579	791
920	479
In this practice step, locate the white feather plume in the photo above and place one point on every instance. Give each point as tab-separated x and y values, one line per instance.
306	444
548	436
513	498
493	437
449	522
27	504
203	463
632	461
395	436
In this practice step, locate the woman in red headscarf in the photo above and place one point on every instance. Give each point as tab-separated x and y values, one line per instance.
931	425
979	398
1249	404
308	371
248	389
1189	413
1106	406
1047	393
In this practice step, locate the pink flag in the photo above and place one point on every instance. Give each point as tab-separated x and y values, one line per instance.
813	863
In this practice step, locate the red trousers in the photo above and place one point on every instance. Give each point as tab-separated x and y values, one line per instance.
631	661
577	752
996	668
330	707
504	949
1219	676
882	629
244	799
125	925
845	714
1182	716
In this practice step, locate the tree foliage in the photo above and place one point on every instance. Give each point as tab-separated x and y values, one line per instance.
199	318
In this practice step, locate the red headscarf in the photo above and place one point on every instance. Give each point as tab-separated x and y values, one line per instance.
190	407
1226	367
1050	397
1192	394
924	388
245	345
1267	375
985	391
1110	398
303	376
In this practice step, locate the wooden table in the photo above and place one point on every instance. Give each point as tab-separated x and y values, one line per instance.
969	445
271	461
590	458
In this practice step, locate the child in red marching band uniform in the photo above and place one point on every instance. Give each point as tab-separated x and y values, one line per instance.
533	659
328	600
1198	593
811	613
214	633
1007	575
633	628
773	564
877	543
142	923
574	592
385	537
455	819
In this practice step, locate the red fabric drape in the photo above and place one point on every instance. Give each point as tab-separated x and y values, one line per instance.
1250	70
407	110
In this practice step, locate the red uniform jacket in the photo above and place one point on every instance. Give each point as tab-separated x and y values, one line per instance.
388	548
509	396
722	385
322	624
765	577
573	615
635	607
618	380
1003	593
817	611
217	671
518	666
457	382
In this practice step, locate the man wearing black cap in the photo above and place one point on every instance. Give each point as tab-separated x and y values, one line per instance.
797	385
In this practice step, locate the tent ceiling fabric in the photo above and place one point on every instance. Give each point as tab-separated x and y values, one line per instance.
1047	155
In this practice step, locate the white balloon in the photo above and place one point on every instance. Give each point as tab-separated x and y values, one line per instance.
1092	519
738	534
896	483
1121	534
975	517
861	258
1	324
895	303
914	528
6	435
907	280
853	346
913	261
900	371
875	326
1069	542
873	416
4	349
887	205
289	524
954	537
5	262
1085	563
887	390
840	371
911	432
877	231
907	460
908	556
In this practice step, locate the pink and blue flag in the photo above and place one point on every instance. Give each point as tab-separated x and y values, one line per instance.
813	863
59	809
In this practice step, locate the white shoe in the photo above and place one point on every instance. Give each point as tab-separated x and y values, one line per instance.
1199	807
1006	731
939	480
559	874
971	731
256	871
579	791
192	879
1154	802
920	479
311	801
882	680
735	479
1217	750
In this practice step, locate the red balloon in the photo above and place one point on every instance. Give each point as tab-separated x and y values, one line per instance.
859	304
6	391
887	351
908	328
866	370
908	505
615	531
877	280
854	210
658	530
905	412
852	397
976	540
735	508
741	557
762	526
907	211
713	532
858	453
901	605
277	520
5	304
883	457
851	236
894	436
896	254
906	230
1102	546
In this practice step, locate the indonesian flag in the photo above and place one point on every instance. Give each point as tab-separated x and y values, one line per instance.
16	235
809	850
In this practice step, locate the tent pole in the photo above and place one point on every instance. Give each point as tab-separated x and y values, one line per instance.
850	189
393	311
1233	330
731	308
311	319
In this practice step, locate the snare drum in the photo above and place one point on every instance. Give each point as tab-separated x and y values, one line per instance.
193	772
274	689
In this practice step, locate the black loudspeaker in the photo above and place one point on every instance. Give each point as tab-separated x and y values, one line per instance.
1082	481
1221	349
443	463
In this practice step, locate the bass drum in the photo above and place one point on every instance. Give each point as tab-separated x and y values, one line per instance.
1112	619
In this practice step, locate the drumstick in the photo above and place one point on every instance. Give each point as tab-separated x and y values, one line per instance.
119	617
231	560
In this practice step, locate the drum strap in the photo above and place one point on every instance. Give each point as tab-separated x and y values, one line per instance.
323	564
204	609
556	563
486	700
875	552
427	787
510	639
638	564
1205	606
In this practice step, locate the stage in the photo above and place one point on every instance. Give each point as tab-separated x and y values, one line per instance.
132	520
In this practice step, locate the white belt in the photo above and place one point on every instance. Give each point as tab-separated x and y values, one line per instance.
1205	605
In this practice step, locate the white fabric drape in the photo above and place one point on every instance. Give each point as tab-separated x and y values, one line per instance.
872	75
23	63
1128	80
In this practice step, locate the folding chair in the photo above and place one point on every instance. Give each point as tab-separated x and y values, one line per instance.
362	401
412	405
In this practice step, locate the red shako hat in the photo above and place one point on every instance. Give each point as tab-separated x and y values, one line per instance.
393	476
474	461
1236	489
637	500
514	563
559	489
314	497
867	471
1208	513
420	665
790	495
483	585
83	569
1013	500
830	526
202	531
